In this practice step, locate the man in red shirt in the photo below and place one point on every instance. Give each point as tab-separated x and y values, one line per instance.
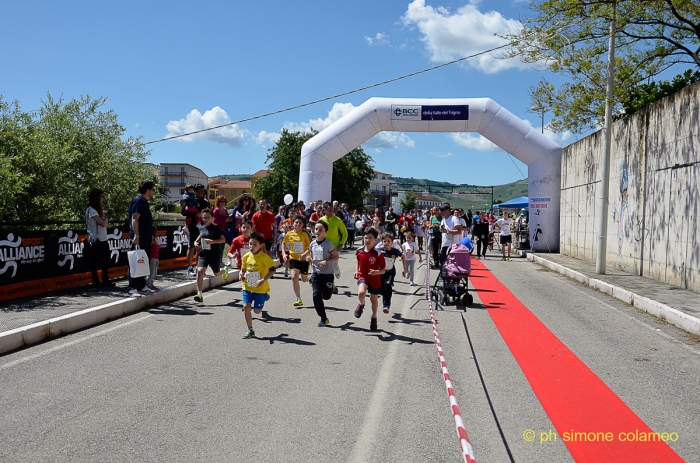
264	222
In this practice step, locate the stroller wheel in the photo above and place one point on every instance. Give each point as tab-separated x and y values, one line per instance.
468	299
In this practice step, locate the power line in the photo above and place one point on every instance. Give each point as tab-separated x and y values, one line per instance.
328	98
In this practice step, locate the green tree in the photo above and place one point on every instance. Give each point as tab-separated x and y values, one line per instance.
408	202
51	158
570	38
351	173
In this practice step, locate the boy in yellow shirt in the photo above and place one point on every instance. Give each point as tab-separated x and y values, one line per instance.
256	269
298	240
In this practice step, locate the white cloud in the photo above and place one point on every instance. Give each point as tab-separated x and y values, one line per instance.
562	139
385	140
230	135
379	39
265	137
441	155
451	35
474	141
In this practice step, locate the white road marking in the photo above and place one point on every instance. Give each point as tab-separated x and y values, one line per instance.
72	343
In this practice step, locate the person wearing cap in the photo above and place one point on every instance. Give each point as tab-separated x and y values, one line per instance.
450	228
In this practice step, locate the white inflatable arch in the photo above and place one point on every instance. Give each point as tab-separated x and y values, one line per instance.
482	115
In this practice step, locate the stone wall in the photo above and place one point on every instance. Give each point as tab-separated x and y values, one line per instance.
654	199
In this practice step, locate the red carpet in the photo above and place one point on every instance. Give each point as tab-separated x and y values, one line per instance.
574	398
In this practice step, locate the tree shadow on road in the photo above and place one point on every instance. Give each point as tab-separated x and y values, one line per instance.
177	309
284	337
398	318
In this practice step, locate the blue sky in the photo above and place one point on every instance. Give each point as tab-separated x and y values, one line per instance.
172	67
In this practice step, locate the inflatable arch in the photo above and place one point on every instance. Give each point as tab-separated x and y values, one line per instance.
482	115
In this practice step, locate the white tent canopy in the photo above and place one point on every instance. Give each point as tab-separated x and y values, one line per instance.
481	115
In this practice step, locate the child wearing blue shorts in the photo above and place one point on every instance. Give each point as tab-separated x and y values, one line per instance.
256	269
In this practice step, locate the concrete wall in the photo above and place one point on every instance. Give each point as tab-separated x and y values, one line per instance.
654	200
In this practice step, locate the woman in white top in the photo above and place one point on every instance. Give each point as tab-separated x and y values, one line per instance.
97	247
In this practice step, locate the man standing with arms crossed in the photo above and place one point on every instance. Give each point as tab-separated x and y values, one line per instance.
337	235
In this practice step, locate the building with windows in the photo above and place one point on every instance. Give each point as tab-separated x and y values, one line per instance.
232	189
174	176
380	190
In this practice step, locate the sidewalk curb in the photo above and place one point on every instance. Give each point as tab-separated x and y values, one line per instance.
669	314
49	329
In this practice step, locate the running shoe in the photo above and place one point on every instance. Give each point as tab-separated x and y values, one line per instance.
335	289
225	274
509	258
373	324
153	288
386	309
412	283
358	310
286	273
325	322
250	334
267	297
133	292
298	303
199	298
191	272
503	258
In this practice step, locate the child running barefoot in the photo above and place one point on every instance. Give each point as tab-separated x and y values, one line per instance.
256	269
240	245
409	253
370	265
208	251
298	241
390	249
321	254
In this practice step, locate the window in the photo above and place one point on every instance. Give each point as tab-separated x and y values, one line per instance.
384	189
182	191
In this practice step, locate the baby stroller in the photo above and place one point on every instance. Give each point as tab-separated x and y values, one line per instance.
452	282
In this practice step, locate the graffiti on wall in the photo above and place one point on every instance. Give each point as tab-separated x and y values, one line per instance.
622	217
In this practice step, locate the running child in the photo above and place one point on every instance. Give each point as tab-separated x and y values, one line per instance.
240	245
298	241
391	250
370	265
321	254
208	251
256	270
410	249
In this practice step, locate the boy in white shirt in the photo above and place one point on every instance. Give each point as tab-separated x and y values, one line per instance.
504	225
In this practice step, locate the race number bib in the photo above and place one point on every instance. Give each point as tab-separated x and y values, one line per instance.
252	278
389	263
318	254
297	247
205	246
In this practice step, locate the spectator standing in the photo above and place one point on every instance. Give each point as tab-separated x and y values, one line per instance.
390	220
264	223
450	228
97	248
153	260
141	230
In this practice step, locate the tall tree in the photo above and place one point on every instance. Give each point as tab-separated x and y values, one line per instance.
351	173
408	202
51	158
570	37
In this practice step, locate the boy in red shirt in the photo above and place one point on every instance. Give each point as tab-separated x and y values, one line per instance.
240	245
370	264
264	222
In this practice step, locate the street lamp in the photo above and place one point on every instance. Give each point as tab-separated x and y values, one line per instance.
541	110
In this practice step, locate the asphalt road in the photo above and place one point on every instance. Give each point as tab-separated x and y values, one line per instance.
178	383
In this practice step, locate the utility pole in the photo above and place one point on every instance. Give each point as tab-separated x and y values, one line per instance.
602	229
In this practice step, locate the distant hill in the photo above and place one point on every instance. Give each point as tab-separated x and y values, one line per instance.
470	196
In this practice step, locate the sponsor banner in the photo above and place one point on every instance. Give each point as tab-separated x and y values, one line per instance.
431	113
51	260
445	113
406	112
539	203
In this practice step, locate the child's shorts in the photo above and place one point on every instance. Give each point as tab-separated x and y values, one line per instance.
257	299
302	266
323	285
370	289
214	262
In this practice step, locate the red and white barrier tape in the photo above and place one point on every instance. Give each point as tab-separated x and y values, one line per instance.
467	451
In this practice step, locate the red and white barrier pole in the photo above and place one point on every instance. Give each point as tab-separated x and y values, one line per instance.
467	451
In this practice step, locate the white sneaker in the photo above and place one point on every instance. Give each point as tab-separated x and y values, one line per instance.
412	284
337	273
133	292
